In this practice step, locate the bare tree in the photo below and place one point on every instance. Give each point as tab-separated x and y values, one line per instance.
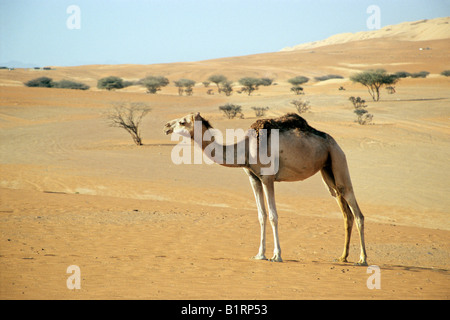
260	111
231	110
301	106
129	118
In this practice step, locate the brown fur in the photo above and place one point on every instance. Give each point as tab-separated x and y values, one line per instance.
290	121
205	122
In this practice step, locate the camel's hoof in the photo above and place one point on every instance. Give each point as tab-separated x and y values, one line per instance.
341	259
259	257
361	263
276	259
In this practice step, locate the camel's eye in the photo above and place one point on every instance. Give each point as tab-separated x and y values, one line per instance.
182	122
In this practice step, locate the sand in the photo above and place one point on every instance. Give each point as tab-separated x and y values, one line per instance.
422	30
74	191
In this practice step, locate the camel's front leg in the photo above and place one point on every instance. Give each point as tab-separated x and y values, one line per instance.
262	216
269	192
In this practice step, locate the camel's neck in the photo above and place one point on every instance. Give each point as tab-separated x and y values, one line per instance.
211	142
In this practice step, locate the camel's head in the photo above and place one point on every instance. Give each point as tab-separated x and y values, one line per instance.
183	126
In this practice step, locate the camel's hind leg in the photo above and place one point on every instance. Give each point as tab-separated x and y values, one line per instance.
351	200
328	179
344	189
342	196
348	225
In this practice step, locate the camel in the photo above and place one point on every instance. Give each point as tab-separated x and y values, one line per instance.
302	152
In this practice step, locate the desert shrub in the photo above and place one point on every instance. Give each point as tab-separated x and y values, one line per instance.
129	118
421	74
68	84
374	80
206	83
185	85
301	106
226	87
127	83
250	84
296	82
390	89
110	83
299	80
231	110
217	79
445	73
402	74
154	83
363	116
328	77
43	82
358	102
297	90
266	81
260	111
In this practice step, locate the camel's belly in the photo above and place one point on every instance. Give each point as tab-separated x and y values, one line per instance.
301	159
286	173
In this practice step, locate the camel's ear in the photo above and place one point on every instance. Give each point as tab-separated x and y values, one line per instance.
197	116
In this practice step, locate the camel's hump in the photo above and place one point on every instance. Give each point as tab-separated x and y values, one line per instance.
287	122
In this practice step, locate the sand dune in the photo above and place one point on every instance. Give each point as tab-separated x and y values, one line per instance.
397	49
74	191
422	30
342	59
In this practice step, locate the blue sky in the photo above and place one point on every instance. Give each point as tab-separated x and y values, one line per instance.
162	31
